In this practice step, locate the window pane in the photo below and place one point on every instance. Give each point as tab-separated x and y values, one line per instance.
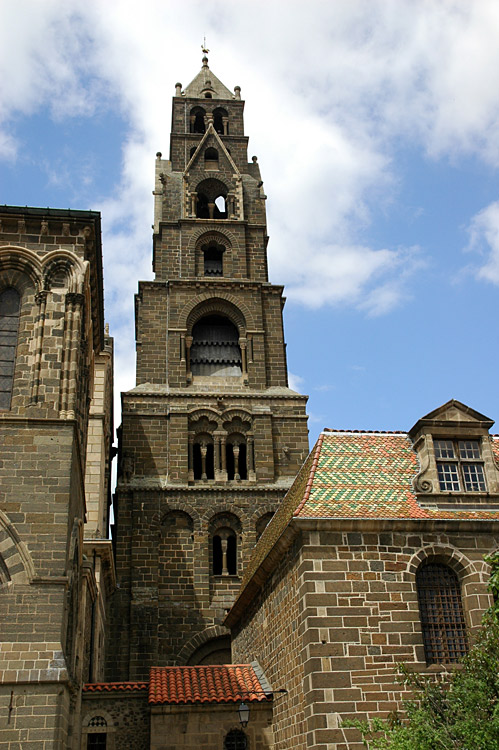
448	477
474	479
10	305
444	449
469	449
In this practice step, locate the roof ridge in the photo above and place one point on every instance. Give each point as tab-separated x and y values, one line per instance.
365	432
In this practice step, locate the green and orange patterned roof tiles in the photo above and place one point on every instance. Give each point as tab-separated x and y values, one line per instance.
358	474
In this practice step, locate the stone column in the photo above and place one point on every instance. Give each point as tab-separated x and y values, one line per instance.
194	199
216	457
223	470
190	458
223	542
204	449
188	344
251	458
235	449
41	299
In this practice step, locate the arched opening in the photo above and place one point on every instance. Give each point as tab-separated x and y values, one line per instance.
215	651
441	611
224	553
236	461
211	200
208	95
203	458
215	347
213	259
10	309
221	121
197	124
96	737
192	152
211	158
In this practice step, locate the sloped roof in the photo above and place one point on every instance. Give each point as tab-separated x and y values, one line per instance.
363	475
205	684
115	687
206	80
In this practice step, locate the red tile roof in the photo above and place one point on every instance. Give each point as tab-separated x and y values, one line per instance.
110	687
205	684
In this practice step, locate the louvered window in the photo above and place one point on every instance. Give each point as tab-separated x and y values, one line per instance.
10	307
442	617
215	348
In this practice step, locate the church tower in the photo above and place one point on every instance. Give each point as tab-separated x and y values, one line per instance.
212	436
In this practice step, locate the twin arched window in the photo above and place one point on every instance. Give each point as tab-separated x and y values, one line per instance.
10	308
441	612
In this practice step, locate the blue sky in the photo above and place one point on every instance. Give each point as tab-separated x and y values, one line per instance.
376	125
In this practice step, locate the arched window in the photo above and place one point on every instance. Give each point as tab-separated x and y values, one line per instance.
225	553
211	158
215	347
96	738
10	308
221	121
203	457
235	740
192	152
197	120
441	611
213	259
211	200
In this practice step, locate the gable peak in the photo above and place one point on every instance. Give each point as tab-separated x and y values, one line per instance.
206	85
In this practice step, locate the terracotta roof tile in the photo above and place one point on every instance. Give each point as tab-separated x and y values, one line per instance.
370	475
205	684
355	474
110	687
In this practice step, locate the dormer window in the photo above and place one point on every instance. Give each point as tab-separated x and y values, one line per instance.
459	466
457	458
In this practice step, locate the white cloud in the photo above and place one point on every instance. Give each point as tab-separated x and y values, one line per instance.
295	382
484	238
330	88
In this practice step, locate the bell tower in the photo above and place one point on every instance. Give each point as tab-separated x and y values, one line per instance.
212	436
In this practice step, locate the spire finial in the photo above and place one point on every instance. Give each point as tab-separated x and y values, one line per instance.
205	52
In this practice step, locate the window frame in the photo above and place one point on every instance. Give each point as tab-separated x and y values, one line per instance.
452	468
441	613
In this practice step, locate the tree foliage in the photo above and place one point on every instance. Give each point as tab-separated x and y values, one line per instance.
457	711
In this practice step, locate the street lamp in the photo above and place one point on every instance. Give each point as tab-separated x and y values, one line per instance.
244	712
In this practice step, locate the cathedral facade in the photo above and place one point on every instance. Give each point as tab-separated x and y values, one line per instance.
242	574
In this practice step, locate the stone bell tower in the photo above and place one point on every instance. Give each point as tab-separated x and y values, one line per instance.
212	436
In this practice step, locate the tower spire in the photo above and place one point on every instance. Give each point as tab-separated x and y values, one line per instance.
205	50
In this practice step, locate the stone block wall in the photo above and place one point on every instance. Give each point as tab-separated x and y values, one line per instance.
169	602
206	726
273	634
126	718
358	618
